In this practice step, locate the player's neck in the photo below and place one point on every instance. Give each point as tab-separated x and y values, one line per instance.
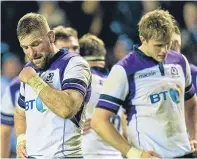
55	50
96	63
144	50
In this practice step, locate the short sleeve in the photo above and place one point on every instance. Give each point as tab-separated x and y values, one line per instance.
21	99
115	90
77	75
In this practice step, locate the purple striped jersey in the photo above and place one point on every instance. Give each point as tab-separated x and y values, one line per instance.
47	134
153	96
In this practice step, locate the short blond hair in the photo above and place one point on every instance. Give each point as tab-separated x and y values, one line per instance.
32	22
156	25
63	33
91	45
176	27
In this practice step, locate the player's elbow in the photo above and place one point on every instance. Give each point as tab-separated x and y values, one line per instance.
66	114
70	110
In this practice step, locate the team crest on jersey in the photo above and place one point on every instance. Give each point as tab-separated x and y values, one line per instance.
174	72
49	78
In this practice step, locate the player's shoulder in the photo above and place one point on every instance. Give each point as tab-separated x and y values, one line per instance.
15	81
136	61
174	56
78	60
193	68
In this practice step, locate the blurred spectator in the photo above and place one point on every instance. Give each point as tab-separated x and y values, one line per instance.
122	47
95	9
125	18
53	13
91	17
189	35
150	6
4	47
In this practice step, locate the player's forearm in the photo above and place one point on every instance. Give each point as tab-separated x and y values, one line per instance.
19	122
59	102
108	132
5	148
191	118
124	126
5	141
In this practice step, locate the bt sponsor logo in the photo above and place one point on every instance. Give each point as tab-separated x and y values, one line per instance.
152	73
173	93
31	104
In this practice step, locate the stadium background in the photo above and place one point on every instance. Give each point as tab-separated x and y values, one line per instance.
109	20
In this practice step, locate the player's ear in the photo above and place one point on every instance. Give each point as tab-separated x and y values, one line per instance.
177	47
51	36
143	40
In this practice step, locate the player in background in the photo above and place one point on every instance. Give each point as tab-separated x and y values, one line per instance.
55	87
176	45
154	85
8	102
66	37
93	50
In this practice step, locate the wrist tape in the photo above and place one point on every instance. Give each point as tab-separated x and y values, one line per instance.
37	84
20	138
134	153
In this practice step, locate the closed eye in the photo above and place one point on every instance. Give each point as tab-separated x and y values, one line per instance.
36	43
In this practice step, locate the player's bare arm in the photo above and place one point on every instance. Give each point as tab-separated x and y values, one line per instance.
63	103
20	128
20	121
101	124
191	118
104	128
5	140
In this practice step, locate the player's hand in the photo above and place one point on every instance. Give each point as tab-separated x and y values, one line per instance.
193	144
21	149
150	154
26	74
86	127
